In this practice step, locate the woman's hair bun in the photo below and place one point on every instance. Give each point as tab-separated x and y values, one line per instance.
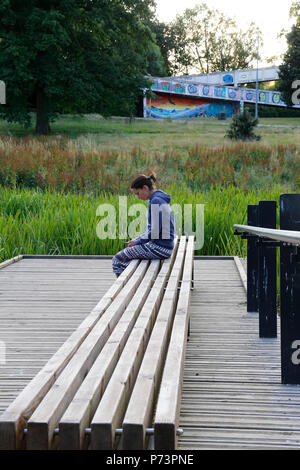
141	180
152	176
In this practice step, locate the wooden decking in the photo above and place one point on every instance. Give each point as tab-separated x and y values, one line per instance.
42	301
232	392
232	396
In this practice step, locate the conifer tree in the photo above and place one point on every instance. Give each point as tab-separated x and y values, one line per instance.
242	127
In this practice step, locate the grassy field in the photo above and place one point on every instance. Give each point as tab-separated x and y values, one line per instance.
81	164
48	222
154	135
94	154
50	187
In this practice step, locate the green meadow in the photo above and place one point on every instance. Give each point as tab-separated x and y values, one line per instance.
156	135
51	187
49	222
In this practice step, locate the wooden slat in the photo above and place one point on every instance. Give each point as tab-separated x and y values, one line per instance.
112	407
45	418
166	419
14	419
232	396
241	271
78	415
141	406
6	263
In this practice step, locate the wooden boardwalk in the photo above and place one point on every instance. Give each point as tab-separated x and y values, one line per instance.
232	396
232	392
42	301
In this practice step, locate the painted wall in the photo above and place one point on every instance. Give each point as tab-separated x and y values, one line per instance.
248	95
234	77
175	107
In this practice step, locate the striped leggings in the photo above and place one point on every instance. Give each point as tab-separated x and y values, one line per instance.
148	250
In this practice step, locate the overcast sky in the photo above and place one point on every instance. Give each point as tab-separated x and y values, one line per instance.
270	20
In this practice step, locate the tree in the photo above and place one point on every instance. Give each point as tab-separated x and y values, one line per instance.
75	55
295	11
163	39
242	127
156	65
174	46
210	41
289	70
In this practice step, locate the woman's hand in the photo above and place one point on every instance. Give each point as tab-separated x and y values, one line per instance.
130	243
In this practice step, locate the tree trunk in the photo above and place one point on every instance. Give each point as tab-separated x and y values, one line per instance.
42	121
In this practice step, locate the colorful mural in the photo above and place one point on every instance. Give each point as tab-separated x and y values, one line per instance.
228	78
183	98
174	107
217	92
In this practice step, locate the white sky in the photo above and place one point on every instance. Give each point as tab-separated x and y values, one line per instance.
270	20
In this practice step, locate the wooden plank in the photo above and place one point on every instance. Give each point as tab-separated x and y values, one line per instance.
166	419
251	437
68	257
6	263
232	396
111	410
241	271
231	378
78	415
46	417
14	419
141	405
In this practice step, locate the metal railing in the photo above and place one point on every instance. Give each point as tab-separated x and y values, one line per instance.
290	237
264	243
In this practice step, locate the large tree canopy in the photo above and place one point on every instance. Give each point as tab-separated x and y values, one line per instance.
205	40
74	55
289	70
295	11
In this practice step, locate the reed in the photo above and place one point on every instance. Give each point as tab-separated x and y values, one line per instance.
51	186
67	165
33	221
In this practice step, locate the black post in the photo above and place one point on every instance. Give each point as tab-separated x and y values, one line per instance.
267	277
290	292
252	262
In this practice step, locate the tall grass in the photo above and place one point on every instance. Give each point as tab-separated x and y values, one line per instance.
33	221
66	165
51	187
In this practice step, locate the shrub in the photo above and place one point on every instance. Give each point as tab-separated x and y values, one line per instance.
242	127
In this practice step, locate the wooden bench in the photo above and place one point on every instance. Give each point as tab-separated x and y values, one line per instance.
117	379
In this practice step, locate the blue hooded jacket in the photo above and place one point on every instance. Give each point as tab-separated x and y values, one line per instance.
160	218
